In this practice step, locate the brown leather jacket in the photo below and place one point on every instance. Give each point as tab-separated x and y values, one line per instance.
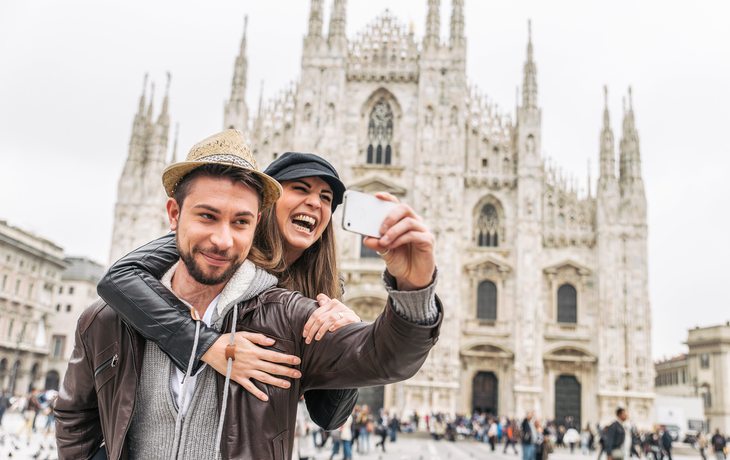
97	397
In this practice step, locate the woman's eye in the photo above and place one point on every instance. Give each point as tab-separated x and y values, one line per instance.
326	198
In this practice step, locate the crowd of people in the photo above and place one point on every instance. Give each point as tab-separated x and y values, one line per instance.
353	435
30	405
542	437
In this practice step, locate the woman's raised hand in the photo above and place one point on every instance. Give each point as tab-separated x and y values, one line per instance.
406	246
330	316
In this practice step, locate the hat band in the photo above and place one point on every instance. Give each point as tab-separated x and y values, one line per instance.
226	158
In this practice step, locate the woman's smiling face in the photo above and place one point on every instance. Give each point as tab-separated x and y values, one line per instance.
302	214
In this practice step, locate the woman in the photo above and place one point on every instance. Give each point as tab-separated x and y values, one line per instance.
295	242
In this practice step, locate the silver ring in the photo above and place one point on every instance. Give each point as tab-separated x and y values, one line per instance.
342	315
381	254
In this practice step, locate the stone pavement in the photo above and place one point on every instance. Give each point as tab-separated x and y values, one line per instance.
40	446
419	447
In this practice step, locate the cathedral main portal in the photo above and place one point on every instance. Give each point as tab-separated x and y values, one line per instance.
567	402
484	393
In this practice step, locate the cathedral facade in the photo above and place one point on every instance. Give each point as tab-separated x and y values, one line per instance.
545	290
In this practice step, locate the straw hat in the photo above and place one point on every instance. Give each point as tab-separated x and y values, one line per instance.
227	148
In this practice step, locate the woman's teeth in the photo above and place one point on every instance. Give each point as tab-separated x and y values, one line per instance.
304	223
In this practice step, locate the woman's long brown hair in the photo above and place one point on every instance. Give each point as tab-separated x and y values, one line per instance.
315	272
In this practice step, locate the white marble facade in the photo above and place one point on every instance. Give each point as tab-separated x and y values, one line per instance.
394	113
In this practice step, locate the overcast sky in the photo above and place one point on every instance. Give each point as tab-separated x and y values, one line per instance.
71	76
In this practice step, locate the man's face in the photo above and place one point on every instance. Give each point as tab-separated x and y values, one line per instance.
215	228
623	416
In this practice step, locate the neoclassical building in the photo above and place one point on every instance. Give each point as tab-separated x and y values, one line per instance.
545	289
30	274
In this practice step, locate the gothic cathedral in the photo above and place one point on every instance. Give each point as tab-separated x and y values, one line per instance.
545	289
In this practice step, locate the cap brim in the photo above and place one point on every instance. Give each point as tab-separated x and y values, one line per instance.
334	182
173	174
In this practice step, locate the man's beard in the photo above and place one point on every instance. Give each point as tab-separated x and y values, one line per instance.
198	274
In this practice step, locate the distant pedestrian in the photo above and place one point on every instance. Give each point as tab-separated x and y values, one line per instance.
616	437
572	437
492	433
393	427
585	439
718	445
666	443
702	443
510	438
529	437
4	403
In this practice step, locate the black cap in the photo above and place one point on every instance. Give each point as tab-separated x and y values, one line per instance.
294	165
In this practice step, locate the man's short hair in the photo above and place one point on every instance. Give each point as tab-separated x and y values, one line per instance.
218	172
620	411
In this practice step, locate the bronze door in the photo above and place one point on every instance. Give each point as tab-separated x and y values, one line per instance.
484	393
567	402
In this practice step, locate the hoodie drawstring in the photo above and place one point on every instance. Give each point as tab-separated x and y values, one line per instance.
178	419
225	386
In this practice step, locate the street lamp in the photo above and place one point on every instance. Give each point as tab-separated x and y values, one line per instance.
16	363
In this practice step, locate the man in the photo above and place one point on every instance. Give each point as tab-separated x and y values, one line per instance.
4	403
666	443
529	436
123	390
718	445
616	437
510	438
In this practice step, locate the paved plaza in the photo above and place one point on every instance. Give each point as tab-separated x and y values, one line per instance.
407	447
419	447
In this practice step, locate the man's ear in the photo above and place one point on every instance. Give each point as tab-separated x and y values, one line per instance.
173	213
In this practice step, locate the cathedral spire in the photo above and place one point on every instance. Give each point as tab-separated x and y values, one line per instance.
336	33
174	146
433	25
152	99
165	101
607	155
238	88
529	88
315	19
236	111
142	101
457	24
630	161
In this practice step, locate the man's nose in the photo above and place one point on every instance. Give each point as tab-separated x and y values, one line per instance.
222	238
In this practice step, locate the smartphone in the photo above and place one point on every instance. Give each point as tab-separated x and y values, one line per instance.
364	214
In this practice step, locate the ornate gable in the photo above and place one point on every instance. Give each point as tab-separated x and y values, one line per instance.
384	51
489	266
375	184
570	265
482	349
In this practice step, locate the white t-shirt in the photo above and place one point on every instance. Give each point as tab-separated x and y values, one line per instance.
177	377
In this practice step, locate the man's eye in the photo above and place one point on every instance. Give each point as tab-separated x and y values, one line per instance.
207	216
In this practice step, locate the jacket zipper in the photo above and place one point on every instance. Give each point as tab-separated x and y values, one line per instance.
281	446
109	362
134	401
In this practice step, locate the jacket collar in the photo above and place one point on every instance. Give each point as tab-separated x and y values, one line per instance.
248	282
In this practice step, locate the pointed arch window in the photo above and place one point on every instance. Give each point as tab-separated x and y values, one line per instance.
487	233
487	301
567	304
380	134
